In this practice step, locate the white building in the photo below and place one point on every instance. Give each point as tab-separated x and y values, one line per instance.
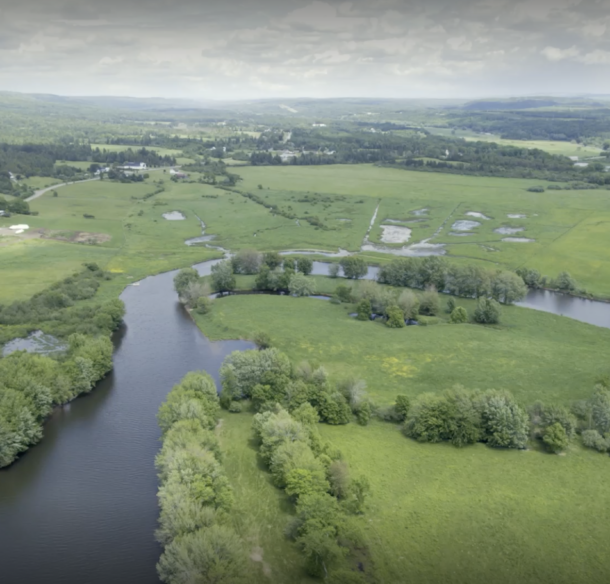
134	166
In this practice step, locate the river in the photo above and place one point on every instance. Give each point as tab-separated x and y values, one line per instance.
80	507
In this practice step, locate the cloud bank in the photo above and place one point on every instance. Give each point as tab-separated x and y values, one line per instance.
235	49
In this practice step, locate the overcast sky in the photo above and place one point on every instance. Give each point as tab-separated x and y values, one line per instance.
235	49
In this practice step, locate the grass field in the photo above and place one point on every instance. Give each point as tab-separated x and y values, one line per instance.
557	147
261	511
135	239
439	514
537	356
570	228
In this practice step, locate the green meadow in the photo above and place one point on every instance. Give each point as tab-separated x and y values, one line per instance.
437	513
535	355
125	234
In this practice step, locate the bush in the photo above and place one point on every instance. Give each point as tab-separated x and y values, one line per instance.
396	317
487	311
459	315
344	293
262	340
450	305
301	285
409	304
305	265
402	406
235	407
204	305
364	310
555	438
429	304
593	439
247	261
565	283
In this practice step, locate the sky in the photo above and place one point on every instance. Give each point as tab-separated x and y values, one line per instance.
247	49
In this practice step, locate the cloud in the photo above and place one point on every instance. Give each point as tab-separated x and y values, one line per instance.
555	54
252	48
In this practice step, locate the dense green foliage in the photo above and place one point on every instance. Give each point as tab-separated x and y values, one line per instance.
62	310
317	481
31	385
195	495
459	280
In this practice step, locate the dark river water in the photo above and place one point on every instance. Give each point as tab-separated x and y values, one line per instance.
81	508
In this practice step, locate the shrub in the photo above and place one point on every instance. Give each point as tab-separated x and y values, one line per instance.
305	265
301	285
344	293
364	413
204	304
409	304
396	317
555	438
262	340
487	311
429	304
459	315
450	305
505	424
564	283
593	439
364	310
334	409
235	407
402	406
247	261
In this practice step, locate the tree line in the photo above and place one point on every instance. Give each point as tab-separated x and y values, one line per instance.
195	497
31	384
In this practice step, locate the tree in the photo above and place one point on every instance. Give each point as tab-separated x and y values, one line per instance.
508	288
305	265
555	438
409	304
396	318
430	304
505	424
564	282
223	279
450	305
338	476
301	285
487	311
459	315
214	555
364	310
354	267
333	270
247	261
272	259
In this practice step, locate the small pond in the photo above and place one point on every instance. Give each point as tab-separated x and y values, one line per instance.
395	234
509	230
174	216
36	342
464	225
518	240
477	215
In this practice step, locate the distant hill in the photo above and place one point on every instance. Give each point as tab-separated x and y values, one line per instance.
511	104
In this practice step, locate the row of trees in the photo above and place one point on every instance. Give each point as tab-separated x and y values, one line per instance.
318	482
31	385
17	206
467	281
195	496
464	417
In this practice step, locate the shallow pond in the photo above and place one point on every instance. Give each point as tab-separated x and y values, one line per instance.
464	225
509	230
36	342
478	215
518	240
174	216
395	234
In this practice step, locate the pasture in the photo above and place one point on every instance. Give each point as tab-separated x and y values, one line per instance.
124	233
535	355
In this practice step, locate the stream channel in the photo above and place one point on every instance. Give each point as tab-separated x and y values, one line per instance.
81	507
